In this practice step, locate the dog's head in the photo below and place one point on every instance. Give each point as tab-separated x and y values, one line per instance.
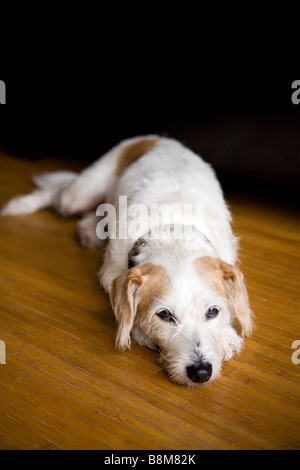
195	316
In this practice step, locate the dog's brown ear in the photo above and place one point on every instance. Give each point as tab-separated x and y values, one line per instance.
124	297
235	283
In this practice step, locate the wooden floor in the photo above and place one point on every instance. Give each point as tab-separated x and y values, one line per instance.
64	386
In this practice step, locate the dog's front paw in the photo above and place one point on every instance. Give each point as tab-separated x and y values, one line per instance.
87	231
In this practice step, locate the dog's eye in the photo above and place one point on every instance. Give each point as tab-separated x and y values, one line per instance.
166	316
212	312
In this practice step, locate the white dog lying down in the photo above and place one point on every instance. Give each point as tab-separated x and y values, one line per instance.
172	279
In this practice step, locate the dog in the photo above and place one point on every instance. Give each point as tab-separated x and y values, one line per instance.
173	281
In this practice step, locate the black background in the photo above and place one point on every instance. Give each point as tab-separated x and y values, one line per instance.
246	126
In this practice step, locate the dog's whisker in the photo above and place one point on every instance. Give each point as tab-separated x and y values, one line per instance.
163	356
155	371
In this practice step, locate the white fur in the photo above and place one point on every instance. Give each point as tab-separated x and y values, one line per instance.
169	173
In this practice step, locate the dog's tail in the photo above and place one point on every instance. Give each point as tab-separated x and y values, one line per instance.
49	187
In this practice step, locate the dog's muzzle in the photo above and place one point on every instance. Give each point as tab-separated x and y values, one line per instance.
199	372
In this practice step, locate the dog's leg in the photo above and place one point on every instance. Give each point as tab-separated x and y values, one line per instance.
67	192
89	189
49	184
70	193
114	264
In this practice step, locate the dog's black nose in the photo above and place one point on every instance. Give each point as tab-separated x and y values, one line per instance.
199	372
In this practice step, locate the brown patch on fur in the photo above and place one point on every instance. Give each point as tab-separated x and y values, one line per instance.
212	270
228	281
156	286
146	283
132	152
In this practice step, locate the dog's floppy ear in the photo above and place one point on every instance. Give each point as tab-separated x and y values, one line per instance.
234	280
123	293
